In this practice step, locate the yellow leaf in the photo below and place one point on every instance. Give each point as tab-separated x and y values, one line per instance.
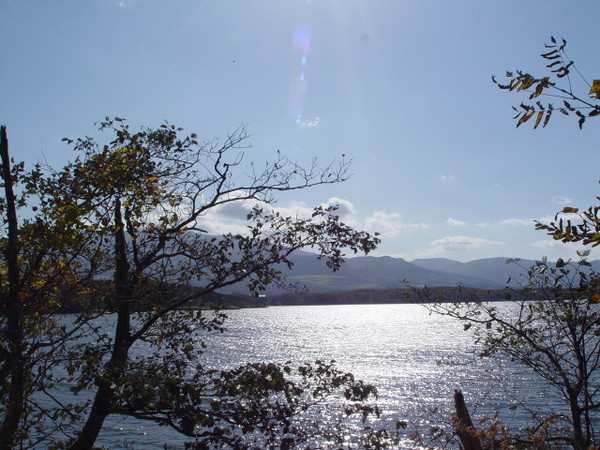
595	89
538	119
524	118
568	209
595	298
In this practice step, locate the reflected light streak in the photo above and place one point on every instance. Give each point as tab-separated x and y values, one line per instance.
301	45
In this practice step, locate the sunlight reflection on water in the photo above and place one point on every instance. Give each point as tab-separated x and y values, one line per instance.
415	359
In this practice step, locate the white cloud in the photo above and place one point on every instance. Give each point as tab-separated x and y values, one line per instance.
551	244
310	123
212	225
553	248
231	217
548	244
294	209
384	223
455	222
561	200
344	207
390	224
236	210
483	224
547	219
461	243
517	222
447	177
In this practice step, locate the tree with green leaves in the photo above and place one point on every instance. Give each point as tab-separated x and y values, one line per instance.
135	207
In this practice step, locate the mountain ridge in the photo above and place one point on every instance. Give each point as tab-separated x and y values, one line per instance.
386	272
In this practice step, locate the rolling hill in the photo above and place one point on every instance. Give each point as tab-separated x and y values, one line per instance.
385	272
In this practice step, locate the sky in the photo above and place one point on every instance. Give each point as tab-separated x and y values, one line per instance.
403	87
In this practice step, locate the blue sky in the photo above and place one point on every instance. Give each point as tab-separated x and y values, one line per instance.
401	86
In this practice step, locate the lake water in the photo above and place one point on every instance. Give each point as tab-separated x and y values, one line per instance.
415	359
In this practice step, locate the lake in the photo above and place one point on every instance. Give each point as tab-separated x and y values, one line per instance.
415	359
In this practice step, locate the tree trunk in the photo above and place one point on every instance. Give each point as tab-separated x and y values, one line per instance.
578	436
14	363
464	425
104	397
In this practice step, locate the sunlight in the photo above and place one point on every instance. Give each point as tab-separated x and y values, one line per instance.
298	91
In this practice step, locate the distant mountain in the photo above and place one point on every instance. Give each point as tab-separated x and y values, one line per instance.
385	272
496	270
369	272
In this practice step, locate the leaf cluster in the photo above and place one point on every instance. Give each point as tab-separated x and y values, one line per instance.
258	405
560	67
586	229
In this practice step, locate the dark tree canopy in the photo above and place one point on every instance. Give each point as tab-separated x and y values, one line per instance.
119	231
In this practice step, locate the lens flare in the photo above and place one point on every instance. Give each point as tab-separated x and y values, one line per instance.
301	45
302	40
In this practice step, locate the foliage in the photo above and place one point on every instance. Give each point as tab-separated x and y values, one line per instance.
258	405
40	269
586	229
554	332
133	209
554	325
558	84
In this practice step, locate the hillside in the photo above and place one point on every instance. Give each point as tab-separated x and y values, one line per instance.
497	270
384	272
